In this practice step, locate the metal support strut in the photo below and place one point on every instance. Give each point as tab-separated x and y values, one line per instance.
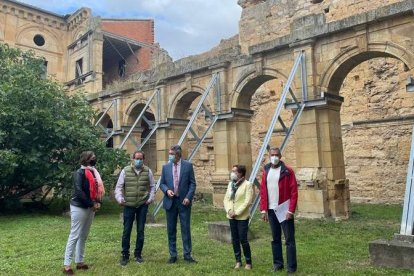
407	220
153	125
212	117
105	130
300	60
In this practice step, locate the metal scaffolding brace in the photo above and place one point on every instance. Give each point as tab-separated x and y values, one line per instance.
300	61
115	121
208	114
407	221
153	125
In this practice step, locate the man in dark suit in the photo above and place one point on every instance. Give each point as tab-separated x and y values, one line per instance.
178	184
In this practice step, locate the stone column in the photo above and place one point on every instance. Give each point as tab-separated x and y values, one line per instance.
332	160
167	136
117	118
231	146
323	189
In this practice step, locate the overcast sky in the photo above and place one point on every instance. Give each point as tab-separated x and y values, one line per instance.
182	27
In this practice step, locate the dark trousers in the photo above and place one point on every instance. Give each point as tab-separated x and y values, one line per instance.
288	227
184	212
130	214
239	229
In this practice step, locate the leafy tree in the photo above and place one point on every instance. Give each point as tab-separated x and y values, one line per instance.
43	130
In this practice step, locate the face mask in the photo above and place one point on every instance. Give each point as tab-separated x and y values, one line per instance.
233	176
274	160
171	158
92	162
138	163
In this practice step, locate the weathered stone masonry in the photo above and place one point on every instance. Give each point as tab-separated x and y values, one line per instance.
336	36
360	50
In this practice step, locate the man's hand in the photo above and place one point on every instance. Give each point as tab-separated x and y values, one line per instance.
186	202
148	202
170	194
265	217
232	214
122	203
289	216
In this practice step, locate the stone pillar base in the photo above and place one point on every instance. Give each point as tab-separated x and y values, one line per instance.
219	183
220	230
313	203
396	253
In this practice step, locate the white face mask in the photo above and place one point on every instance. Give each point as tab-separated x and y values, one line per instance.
233	176
274	160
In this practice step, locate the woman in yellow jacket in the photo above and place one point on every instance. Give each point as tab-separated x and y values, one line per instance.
237	202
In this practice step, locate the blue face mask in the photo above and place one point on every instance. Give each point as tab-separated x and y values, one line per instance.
138	163
171	158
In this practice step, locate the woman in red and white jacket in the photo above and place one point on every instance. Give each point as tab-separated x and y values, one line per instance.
279	185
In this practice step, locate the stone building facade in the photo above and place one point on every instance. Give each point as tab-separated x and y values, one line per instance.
84	52
359	54
355	146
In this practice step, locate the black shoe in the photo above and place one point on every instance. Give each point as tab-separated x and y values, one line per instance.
291	272
276	268
172	260
139	260
190	260
124	260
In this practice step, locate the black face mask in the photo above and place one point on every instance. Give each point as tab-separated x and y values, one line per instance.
92	162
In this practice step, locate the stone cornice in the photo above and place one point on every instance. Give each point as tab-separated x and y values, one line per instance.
314	25
43	17
78	18
33	14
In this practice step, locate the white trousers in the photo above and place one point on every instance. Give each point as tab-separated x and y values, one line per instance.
81	220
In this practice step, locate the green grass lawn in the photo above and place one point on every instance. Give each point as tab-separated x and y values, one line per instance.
33	244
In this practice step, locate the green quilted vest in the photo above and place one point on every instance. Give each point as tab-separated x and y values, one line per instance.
136	188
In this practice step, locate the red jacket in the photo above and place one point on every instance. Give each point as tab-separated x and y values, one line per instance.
288	188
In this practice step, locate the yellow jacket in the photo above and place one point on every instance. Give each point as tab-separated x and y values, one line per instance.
242	201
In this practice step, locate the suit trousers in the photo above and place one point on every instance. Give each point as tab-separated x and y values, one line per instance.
184	212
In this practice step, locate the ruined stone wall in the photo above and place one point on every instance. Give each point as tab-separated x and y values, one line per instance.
263	104
140	30
376	129
266	20
376	118
375	136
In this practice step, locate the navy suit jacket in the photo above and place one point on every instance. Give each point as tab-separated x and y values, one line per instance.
186	186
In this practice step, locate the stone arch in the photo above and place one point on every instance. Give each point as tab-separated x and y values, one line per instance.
107	123
343	63
346	138
53	43
183	100
132	113
105	120
247	85
78	33
141	103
